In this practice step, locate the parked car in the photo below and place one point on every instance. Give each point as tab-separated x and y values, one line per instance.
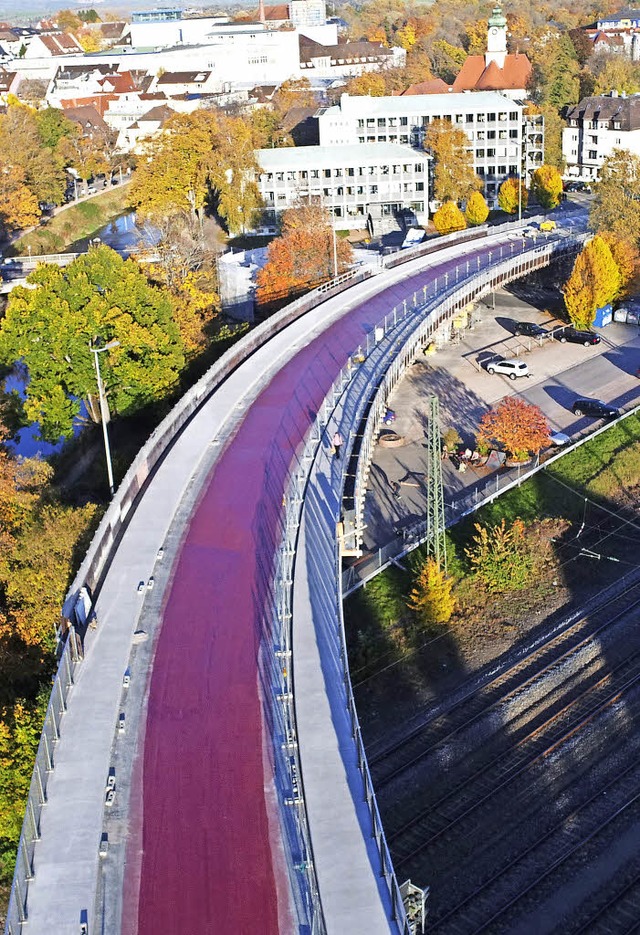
509	368
573	336
530	329
547	226
595	409
559	439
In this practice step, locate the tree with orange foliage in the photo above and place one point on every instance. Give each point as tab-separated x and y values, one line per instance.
515	425
302	256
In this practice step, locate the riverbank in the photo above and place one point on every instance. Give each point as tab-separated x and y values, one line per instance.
77	222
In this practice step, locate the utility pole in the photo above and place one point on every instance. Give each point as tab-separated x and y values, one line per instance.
436	542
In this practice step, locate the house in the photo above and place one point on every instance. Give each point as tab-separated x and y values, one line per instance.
53	45
595	127
9	84
346	59
133	137
176	83
360	185
497	69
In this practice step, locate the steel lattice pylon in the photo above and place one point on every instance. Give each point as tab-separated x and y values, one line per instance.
436	542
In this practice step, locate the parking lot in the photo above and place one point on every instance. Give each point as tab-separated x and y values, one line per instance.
559	374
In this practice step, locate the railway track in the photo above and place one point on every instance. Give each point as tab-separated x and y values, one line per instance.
495	796
513	682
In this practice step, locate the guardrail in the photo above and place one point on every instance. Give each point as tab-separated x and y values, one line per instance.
111	526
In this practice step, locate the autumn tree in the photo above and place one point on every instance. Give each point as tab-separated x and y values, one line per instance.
627	258
514	425
500	557
369	83
19	207
199	159
178	254
617	196
295	92
454	176
477	210
594	281
556	73
431	598
23	146
98	296
449	218
513	196
546	187
446	60
303	255
618	73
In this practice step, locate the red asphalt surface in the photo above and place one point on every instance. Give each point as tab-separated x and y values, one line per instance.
211	860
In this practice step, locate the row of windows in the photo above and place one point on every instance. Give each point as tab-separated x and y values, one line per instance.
597	125
304	174
352	190
403	138
491	153
425	120
502	170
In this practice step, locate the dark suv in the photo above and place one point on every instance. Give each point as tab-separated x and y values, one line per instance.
595	409
573	336
530	329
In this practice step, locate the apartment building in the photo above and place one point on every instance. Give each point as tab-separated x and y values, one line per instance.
500	140
360	184
595	127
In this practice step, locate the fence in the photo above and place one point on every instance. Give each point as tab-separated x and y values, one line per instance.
111	527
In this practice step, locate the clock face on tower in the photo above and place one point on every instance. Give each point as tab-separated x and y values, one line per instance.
494	31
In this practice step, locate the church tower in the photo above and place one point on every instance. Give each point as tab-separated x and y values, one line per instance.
496	38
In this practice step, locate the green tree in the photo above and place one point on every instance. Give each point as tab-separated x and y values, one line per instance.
449	218
53	126
546	187
49	325
512	195
431	598
553	127
446	60
454	176
477	210
556	73
594	281
617	196
500	558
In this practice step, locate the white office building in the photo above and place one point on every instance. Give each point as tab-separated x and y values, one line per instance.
595	127
360	184
494	126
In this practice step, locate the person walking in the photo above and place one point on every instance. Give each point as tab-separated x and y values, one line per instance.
337	441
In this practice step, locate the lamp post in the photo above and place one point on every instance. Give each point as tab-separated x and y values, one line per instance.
96	349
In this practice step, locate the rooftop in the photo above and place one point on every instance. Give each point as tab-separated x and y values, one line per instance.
420	103
328	156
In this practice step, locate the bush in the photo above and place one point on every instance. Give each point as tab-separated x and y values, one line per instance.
500	556
431	598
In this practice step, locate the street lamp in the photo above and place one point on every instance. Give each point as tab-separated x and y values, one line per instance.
97	348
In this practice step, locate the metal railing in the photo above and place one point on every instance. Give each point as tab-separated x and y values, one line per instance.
114	521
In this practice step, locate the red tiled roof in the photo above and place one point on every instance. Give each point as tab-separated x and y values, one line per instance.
432	86
60	43
475	76
99	101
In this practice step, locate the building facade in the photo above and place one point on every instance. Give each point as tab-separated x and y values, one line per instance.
359	184
495	127
595	127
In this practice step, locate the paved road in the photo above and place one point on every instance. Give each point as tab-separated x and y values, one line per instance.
560	373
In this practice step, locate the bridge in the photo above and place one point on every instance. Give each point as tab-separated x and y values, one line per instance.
201	766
